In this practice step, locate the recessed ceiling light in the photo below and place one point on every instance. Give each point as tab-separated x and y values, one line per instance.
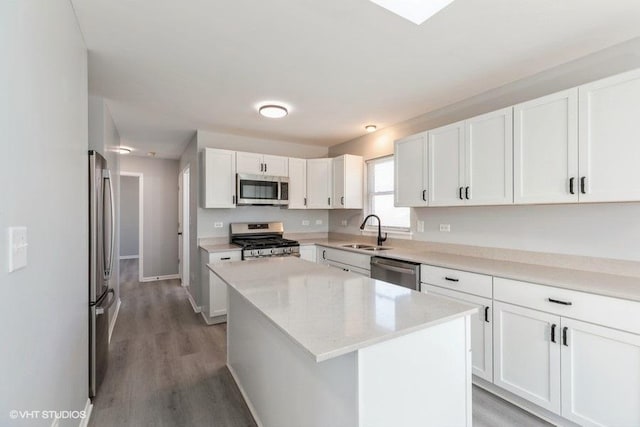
370	128
273	111
416	11
123	150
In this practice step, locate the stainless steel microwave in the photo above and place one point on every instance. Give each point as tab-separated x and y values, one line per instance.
262	190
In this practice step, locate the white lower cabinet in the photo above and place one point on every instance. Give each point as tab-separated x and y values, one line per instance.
216	301
600	375
481	328
526	358
308	252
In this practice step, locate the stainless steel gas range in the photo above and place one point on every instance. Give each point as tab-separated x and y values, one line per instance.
263	239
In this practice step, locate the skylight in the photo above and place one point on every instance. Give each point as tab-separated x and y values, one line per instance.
416	11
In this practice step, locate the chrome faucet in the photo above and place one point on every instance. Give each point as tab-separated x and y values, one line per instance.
380	238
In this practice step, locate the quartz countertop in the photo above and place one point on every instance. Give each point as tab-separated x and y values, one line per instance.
610	285
224	247
330	312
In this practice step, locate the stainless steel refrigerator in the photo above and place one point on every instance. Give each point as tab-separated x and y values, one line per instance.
101	247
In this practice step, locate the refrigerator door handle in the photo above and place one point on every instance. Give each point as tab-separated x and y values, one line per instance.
100	310
108	265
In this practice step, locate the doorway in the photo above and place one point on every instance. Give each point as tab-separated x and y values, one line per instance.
183	225
132	218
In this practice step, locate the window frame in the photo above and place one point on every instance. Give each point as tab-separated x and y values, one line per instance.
370	227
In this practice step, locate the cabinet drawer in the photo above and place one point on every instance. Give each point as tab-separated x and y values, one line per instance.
225	256
602	310
345	257
352	269
463	281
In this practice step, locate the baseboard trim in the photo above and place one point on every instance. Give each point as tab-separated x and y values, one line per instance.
213	320
158	278
532	408
112	324
196	307
130	257
88	407
245	396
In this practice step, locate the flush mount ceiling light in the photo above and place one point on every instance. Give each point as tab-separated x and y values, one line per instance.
273	111
370	128
416	11
123	150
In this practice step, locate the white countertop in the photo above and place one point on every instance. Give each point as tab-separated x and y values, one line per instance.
610	285
329	312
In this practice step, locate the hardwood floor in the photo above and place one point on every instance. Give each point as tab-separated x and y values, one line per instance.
167	368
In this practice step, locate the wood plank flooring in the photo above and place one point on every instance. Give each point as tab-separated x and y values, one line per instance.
167	368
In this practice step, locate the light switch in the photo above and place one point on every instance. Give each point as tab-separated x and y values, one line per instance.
17	248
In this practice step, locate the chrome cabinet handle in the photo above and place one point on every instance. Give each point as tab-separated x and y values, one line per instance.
108	266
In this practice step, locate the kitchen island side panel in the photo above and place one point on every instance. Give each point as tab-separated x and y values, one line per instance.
282	384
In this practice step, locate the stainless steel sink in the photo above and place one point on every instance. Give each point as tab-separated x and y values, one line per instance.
358	246
377	248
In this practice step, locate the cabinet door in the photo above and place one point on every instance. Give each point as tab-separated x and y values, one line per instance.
338	182
219	178
353	182
308	253
297	184
275	165
446	165
410	167
319	186
481	329
489	158
608	139
545	149
250	163
526	354
600	375
217	303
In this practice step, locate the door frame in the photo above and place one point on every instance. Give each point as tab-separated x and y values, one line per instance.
184	197
140	177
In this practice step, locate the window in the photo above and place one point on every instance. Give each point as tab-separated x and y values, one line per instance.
380	196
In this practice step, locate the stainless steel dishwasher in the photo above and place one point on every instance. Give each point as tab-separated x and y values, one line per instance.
401	273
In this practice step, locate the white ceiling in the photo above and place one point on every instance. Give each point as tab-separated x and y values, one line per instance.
169	67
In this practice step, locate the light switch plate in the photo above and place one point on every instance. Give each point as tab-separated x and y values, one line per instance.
17	248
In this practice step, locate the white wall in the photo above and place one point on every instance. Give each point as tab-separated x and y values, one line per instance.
602	230
43	186
160	213
105	139
129	216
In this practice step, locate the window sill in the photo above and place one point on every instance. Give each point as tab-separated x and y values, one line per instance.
393	233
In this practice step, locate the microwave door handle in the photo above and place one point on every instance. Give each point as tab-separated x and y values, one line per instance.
108	265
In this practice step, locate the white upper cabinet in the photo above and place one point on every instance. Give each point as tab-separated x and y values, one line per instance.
348	177
219	172
262	164
411	171
489	159
319	183
446	165
297	183
545	149
609	113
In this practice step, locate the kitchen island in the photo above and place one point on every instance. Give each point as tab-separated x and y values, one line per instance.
310	345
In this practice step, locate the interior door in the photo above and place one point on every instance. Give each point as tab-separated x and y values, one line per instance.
526	354
180	227
489	158
600	375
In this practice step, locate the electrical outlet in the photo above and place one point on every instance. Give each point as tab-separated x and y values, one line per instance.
344	222
305	222
420	226
217	225
318	222
445	227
